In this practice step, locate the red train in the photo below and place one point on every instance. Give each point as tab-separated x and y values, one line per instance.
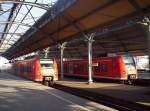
117	67
36	69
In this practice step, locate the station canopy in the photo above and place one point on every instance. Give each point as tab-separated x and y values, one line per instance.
116	25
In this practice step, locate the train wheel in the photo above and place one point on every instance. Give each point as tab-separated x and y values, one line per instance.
129	81
46	83
122	81
51	83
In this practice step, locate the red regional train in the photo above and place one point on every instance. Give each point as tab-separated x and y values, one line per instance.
36	69
118	67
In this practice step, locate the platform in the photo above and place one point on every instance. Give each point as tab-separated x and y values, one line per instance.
17	94
134	94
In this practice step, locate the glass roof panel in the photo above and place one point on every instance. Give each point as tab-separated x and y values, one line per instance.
4	15
16	19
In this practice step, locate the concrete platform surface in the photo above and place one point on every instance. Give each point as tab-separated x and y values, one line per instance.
17	94
136	94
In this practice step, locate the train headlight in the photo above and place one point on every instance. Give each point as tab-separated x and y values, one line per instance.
133	76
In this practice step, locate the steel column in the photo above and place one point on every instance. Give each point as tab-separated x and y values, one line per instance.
146	22
148	38
61	61
62	47
90	72
46	52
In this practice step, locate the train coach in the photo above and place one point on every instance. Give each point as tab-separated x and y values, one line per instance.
118	67
36	69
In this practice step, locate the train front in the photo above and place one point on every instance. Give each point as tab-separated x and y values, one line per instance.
130	68
48	71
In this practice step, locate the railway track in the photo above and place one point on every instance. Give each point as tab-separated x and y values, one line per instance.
138	82
121	105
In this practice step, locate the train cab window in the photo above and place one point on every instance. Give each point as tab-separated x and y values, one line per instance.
129	62
43	65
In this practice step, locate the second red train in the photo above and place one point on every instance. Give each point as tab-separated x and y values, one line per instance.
117	67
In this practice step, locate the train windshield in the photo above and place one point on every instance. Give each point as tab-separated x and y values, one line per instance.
129	62
47	65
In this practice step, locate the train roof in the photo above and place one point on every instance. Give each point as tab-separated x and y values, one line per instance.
93	58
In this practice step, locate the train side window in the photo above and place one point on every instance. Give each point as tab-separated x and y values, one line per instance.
97	69
71	67
81	67
66	68
20	68
101	68
33	68
30	68
76	67
25	68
